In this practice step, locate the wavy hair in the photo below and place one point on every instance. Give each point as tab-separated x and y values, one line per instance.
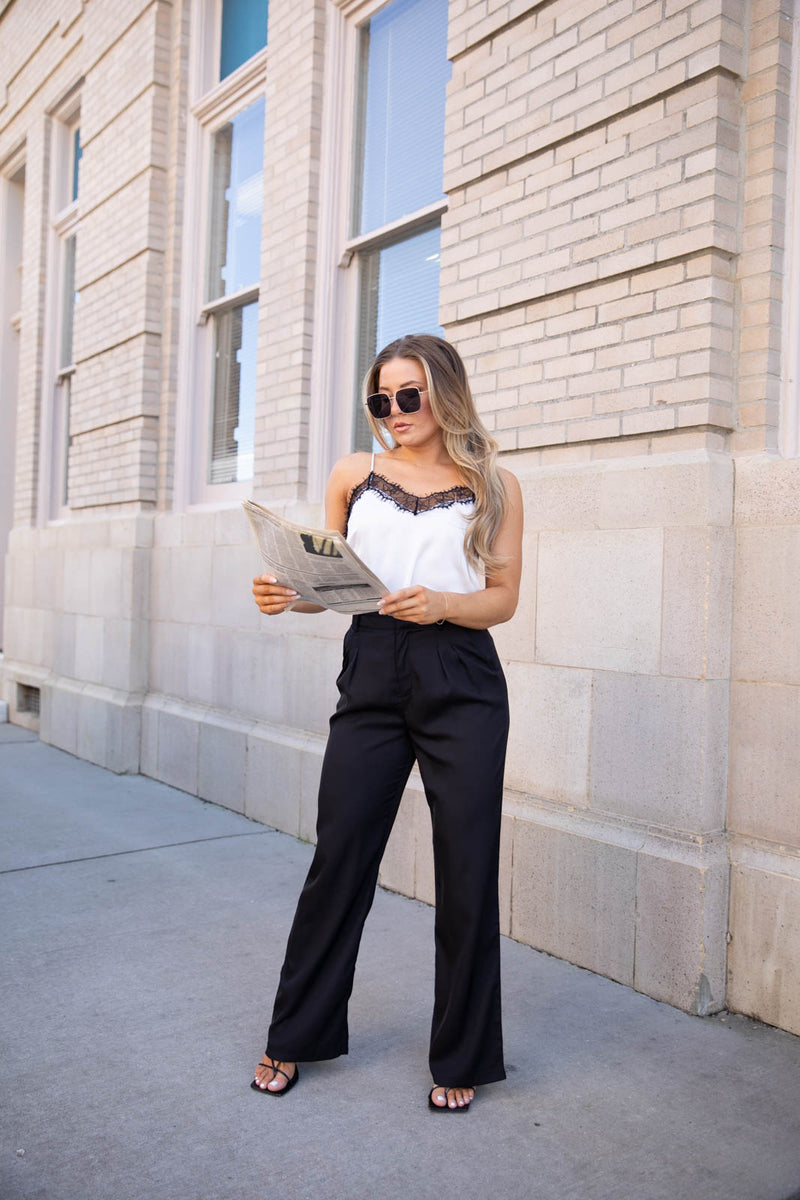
466	440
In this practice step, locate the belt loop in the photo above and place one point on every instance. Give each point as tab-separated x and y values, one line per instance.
356	620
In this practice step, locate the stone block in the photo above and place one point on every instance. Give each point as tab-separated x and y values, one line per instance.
649	493
178	740
257	669
767	491
574	897
125	654
309	686
232	528
397	864
766	612
76	596
168	529
201	667
506	874
764	953
697	602
108	729
169	659
222	761
64	644
111	583
658	750
681	923
516	639
765	761
599	599
148	751
59	715
692	489
93	733
160	603
551	716
89	648
424	879
48	572
232	603
311	768
561	498
273	782
184	584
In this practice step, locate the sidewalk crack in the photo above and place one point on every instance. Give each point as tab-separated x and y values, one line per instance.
64	862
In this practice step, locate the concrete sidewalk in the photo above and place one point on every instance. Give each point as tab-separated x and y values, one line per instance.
143	931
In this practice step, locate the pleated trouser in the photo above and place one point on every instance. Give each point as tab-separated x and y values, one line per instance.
435	694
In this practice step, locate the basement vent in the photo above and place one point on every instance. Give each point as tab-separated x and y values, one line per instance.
27	699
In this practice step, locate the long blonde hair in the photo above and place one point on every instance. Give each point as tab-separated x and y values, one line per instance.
469	445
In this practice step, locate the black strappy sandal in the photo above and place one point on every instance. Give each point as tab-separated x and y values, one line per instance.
446	1106
265	1091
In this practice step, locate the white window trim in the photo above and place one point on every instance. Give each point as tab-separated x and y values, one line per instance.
789	424
63	223
209	111
338	294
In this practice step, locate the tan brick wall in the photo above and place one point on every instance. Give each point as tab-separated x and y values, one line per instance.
288	250
116	394
592	170
765	98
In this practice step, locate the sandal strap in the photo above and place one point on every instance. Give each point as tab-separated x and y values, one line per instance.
276	1070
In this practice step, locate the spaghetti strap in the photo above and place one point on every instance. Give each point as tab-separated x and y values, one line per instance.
372	466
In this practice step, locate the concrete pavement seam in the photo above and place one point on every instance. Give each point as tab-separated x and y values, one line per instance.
64	862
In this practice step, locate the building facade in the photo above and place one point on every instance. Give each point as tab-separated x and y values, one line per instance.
212	212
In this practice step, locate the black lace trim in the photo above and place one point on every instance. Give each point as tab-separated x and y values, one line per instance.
407	501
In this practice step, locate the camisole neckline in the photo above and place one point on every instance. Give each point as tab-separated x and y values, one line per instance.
408	501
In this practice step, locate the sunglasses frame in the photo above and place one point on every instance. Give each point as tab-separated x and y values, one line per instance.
408	404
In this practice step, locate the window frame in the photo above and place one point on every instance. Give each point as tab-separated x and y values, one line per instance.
340	258
63	224
212	104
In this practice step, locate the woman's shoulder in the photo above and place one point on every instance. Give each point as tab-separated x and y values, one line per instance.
510	483
351	469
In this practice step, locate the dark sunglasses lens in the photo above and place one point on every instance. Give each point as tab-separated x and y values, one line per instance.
379	405
408	400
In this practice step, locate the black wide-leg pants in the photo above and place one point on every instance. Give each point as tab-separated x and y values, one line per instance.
434	693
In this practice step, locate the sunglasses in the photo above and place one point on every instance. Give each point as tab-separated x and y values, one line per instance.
408	401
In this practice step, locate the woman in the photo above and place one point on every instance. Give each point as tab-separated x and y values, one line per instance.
420	680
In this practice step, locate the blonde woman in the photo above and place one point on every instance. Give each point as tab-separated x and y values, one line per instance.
441	524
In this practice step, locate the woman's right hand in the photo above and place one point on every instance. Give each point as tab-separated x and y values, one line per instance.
270	596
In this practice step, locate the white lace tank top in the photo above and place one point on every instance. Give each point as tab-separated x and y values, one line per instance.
407	539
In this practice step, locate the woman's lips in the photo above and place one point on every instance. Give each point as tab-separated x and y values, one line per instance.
399	426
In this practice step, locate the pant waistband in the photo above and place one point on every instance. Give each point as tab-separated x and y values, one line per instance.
374	621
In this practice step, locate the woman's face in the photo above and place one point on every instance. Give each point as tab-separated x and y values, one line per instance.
408	429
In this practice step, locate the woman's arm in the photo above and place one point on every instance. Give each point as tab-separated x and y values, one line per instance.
495	603
270	596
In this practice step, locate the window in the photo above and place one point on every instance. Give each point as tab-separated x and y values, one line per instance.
219	338
244	33
62	300
232	290
398	200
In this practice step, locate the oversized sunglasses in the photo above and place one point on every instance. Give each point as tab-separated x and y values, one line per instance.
408	400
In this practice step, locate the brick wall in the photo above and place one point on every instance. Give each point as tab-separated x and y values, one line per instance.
116	392
288	249
592	170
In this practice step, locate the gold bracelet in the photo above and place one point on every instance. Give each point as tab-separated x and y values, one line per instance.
444	618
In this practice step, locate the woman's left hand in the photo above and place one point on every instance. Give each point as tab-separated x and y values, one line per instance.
419	604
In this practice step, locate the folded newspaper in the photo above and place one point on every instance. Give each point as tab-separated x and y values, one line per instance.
317	563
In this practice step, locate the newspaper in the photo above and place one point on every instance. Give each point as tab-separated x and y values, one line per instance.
317	563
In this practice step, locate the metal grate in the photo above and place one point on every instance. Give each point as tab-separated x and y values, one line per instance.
27	699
